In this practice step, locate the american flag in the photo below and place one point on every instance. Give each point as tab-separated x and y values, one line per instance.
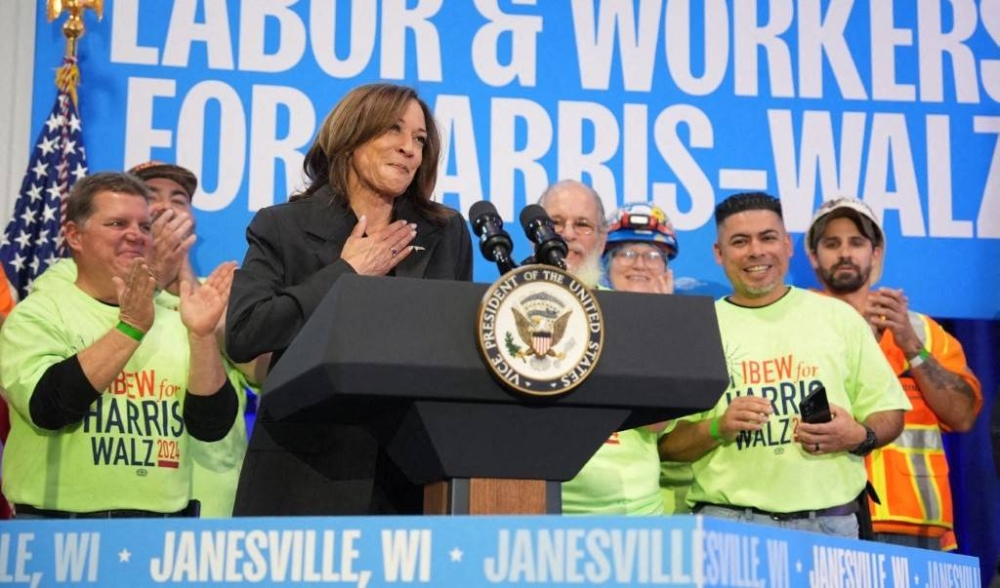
32	241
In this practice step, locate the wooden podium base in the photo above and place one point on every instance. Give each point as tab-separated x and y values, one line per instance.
492	496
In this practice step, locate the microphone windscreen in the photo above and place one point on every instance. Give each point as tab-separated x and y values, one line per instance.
481	208
531	213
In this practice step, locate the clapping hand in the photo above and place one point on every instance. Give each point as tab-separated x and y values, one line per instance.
135	296
665	283
202	306
173	236
887	309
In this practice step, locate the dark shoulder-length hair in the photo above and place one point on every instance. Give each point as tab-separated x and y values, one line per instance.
365	113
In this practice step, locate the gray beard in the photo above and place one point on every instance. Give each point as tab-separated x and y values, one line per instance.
590	271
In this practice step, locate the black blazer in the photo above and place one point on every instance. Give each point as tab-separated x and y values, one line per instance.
310	467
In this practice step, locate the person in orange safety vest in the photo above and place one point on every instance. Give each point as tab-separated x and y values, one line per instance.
846	247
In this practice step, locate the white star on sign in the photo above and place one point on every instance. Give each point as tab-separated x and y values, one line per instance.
798	566
124	556
455	554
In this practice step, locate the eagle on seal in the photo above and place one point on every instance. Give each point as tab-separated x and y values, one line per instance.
540	334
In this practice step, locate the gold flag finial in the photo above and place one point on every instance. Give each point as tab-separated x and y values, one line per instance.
73	28
68	75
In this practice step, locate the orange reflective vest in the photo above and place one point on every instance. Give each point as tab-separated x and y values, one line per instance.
911	473
6	297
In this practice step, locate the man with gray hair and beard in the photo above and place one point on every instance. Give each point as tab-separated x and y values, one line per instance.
578	216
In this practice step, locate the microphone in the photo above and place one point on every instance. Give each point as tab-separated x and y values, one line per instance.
550	247
494	242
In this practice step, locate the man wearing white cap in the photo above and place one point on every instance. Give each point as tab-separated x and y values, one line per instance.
846	247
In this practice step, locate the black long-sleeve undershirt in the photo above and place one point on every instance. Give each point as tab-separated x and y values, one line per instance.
63	396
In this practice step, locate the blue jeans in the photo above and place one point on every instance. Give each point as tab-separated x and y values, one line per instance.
838	526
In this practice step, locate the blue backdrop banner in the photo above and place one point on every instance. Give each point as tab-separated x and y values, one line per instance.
461	551
675	102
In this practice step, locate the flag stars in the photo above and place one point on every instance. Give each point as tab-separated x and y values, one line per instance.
49	213
69	147
48	146
23	239
55	121
74	123
35	262
35	192
55	192
79	171
18	262
29	217
40	170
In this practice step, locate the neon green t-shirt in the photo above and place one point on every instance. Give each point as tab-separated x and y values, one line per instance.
131	449
215	465
622	478
781	352
675	482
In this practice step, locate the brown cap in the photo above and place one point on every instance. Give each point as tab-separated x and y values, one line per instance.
158	169
862	216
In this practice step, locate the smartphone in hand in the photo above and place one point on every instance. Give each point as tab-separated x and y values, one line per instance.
815	408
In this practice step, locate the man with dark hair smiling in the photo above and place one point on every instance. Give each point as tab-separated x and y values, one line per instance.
846	247
82	360
752	458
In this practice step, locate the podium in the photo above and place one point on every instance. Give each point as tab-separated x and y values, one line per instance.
405	349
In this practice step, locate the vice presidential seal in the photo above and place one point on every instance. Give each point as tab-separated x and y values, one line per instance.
540	330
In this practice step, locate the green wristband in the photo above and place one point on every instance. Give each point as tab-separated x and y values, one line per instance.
132	332
920	358
713	429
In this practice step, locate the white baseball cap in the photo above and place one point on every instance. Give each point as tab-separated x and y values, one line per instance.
859	212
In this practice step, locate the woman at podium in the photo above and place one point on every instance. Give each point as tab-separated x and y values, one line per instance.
367	210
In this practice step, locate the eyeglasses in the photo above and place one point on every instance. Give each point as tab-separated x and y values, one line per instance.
652	257
581	226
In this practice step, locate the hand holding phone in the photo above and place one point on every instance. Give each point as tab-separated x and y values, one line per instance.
815	408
